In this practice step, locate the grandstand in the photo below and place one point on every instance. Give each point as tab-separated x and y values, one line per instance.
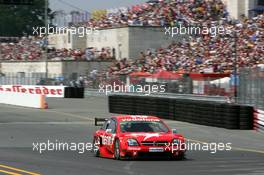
197	54
204	53
223	53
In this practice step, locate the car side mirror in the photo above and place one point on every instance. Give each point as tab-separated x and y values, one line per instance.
174	131
108	130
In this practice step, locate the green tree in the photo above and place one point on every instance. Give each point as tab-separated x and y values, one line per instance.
19	20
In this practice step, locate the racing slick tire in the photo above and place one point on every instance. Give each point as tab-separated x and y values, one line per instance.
117	150
179	157
96	145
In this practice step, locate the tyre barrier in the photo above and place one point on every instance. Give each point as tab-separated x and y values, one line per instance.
73	92
208	113
259	120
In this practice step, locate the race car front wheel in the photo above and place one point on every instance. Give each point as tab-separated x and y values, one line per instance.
181	156
96	145
117	149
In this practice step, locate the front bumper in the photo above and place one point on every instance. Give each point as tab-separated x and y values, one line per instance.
150	151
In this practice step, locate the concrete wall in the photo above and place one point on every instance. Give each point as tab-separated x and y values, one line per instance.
59	41
30	67
238	7
22	99
143	38
250	4
55	67
67	40
232	8
114	38
78	42
130	41
83	67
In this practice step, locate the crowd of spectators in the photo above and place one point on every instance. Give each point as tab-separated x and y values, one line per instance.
32	49
203	53
26	48
164	13
199	53
89	54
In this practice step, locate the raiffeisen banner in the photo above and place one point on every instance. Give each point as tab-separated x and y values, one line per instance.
48	91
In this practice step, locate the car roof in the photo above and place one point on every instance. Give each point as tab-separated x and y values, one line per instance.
124	117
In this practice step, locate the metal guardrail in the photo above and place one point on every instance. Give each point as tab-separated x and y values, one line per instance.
220	99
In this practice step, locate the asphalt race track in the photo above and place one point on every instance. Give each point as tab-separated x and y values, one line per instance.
71	120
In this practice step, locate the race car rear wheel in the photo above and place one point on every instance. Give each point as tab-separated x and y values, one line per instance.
96	146
117	149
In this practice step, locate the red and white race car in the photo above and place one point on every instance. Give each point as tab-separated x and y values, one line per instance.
123	137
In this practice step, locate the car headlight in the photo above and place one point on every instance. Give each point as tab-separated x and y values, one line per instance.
176	141
132	142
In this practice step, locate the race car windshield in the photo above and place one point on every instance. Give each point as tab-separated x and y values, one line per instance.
143	126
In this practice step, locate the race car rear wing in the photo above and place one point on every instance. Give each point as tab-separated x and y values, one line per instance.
99	121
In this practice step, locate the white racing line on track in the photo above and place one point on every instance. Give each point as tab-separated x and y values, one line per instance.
70	115
92	120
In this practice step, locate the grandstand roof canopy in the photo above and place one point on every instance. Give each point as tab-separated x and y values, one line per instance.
209	76
140	74
166	75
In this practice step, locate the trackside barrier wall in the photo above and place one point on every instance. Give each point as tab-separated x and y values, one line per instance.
208	113
259	120
73	92
48	91
25	100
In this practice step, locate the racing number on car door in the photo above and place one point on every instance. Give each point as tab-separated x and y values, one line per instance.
110	135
